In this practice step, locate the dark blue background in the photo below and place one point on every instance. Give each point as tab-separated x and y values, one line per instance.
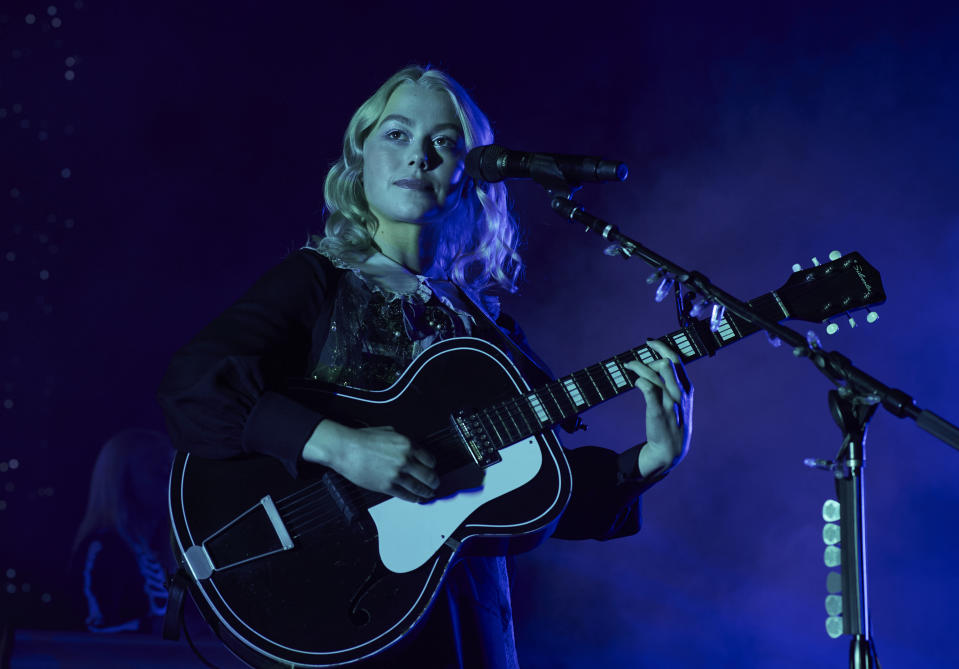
197	137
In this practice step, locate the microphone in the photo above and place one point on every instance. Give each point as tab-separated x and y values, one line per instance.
495	163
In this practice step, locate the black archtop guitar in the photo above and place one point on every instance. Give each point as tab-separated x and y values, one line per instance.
317	572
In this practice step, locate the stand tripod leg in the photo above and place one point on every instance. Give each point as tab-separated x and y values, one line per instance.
862	653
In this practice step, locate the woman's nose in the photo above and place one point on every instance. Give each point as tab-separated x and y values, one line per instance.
420	157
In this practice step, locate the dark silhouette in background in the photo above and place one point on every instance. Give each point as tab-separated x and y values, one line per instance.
121	550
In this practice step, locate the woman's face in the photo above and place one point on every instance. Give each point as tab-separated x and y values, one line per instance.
413	157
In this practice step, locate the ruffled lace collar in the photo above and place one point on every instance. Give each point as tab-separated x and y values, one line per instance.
384	275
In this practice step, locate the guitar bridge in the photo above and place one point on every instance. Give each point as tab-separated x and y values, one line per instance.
257	532
477	440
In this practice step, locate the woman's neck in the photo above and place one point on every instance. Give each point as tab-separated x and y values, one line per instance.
401	242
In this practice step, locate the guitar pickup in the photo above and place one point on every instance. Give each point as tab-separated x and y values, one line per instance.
257	532
356	517
475	438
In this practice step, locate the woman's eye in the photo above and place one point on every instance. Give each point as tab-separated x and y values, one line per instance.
395	134
444	142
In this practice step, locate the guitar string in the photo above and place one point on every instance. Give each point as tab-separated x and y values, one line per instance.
298	509
514	407
297	506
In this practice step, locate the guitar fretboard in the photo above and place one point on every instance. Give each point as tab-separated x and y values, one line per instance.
549	405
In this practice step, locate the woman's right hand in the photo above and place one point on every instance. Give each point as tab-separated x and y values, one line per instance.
376	458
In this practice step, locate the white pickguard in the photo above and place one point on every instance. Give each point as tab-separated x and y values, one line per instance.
410	533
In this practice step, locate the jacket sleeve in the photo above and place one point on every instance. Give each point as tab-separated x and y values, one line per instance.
220	395
606	502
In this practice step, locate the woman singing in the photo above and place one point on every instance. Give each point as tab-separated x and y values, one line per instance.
413	252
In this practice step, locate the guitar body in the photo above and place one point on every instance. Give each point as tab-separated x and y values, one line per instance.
316	572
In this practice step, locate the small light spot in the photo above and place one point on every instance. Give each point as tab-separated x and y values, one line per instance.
3	505
78	4
52	10
11	256
44	275
69	223
3	112
70	61
11	573
69	75
25	123
7	404
30	19
4	316
14	463
56	22
46	598
25	587
11	588
14	192
65	173
42	238
42	135
17	108
47	309
4	466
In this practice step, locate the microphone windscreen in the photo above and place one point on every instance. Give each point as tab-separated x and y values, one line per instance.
481	163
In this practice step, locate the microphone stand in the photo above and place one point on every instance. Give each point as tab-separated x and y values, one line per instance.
853	402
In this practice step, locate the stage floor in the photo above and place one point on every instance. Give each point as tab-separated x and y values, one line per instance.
46	649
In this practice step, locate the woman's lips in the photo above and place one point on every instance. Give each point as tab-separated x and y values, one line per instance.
413	184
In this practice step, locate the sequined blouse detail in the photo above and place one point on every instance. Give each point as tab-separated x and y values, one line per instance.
381	322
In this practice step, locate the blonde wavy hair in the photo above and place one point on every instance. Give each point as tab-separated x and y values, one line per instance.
476	246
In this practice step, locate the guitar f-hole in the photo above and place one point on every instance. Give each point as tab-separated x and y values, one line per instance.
359	616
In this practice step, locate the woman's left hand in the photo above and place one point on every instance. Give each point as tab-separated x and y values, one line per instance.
669	410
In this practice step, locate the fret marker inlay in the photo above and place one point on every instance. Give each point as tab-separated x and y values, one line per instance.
617	375
538	408
682	343
574	393
726	330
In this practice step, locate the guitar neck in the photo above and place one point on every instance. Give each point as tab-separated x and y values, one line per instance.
549	405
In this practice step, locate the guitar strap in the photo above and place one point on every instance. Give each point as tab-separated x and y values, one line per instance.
173	618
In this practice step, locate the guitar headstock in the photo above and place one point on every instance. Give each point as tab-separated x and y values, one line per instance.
845	284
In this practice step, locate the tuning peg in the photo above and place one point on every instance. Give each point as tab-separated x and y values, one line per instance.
835	255
832	328
699	306
663	289
872	317
815	261
775	342
716	317
852	322
797	267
